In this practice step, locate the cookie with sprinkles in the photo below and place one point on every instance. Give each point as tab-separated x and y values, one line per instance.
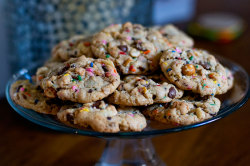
44	70
81	80
102	117
74	47
185	111
137	90
176	36
29	96
195	70
133	48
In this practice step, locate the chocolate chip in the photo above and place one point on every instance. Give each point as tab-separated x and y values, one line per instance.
39	88
19	87
36	101
164	116
109	118
63	70
124	48
70	118
166	105
205	65
74	77
97	104
165	35
141	68
154	97
73	66
172	92
90	91
25	97
105	68
138	45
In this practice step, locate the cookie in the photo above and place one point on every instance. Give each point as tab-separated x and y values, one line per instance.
102	117
80	79
141	90
230	78
131	119
195	70
185	111
43	71
29	96
133	48
74	47
176	36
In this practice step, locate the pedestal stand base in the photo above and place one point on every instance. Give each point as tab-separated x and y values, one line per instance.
130	152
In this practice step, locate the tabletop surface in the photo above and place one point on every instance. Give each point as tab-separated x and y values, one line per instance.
224	142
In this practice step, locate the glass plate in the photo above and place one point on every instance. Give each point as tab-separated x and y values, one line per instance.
232	101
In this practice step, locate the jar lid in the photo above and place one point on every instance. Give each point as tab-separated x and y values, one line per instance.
220	27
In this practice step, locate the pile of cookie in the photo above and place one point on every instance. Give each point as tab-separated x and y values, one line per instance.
114	80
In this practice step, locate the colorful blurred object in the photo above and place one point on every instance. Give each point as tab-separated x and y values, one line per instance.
217	27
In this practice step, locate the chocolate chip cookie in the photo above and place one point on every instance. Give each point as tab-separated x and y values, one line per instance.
80	79
195	70
74	47
185	111
176	36
133	48
142	90
29	96
102	117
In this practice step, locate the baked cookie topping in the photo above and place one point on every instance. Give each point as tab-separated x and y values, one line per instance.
142	90
80	80
195	70
102	117
133	48
185	111
30	96
75	47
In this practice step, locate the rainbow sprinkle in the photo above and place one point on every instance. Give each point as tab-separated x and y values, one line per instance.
22	89
74	88
79	78
168	70
67	74
147	52
104	42
84	110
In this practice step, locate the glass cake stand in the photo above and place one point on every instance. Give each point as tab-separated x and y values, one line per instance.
135	148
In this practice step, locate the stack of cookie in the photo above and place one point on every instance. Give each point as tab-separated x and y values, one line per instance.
111	81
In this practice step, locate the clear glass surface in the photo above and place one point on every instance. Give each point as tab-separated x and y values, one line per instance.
231	101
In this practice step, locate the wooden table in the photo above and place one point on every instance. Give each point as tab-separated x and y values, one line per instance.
225	142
